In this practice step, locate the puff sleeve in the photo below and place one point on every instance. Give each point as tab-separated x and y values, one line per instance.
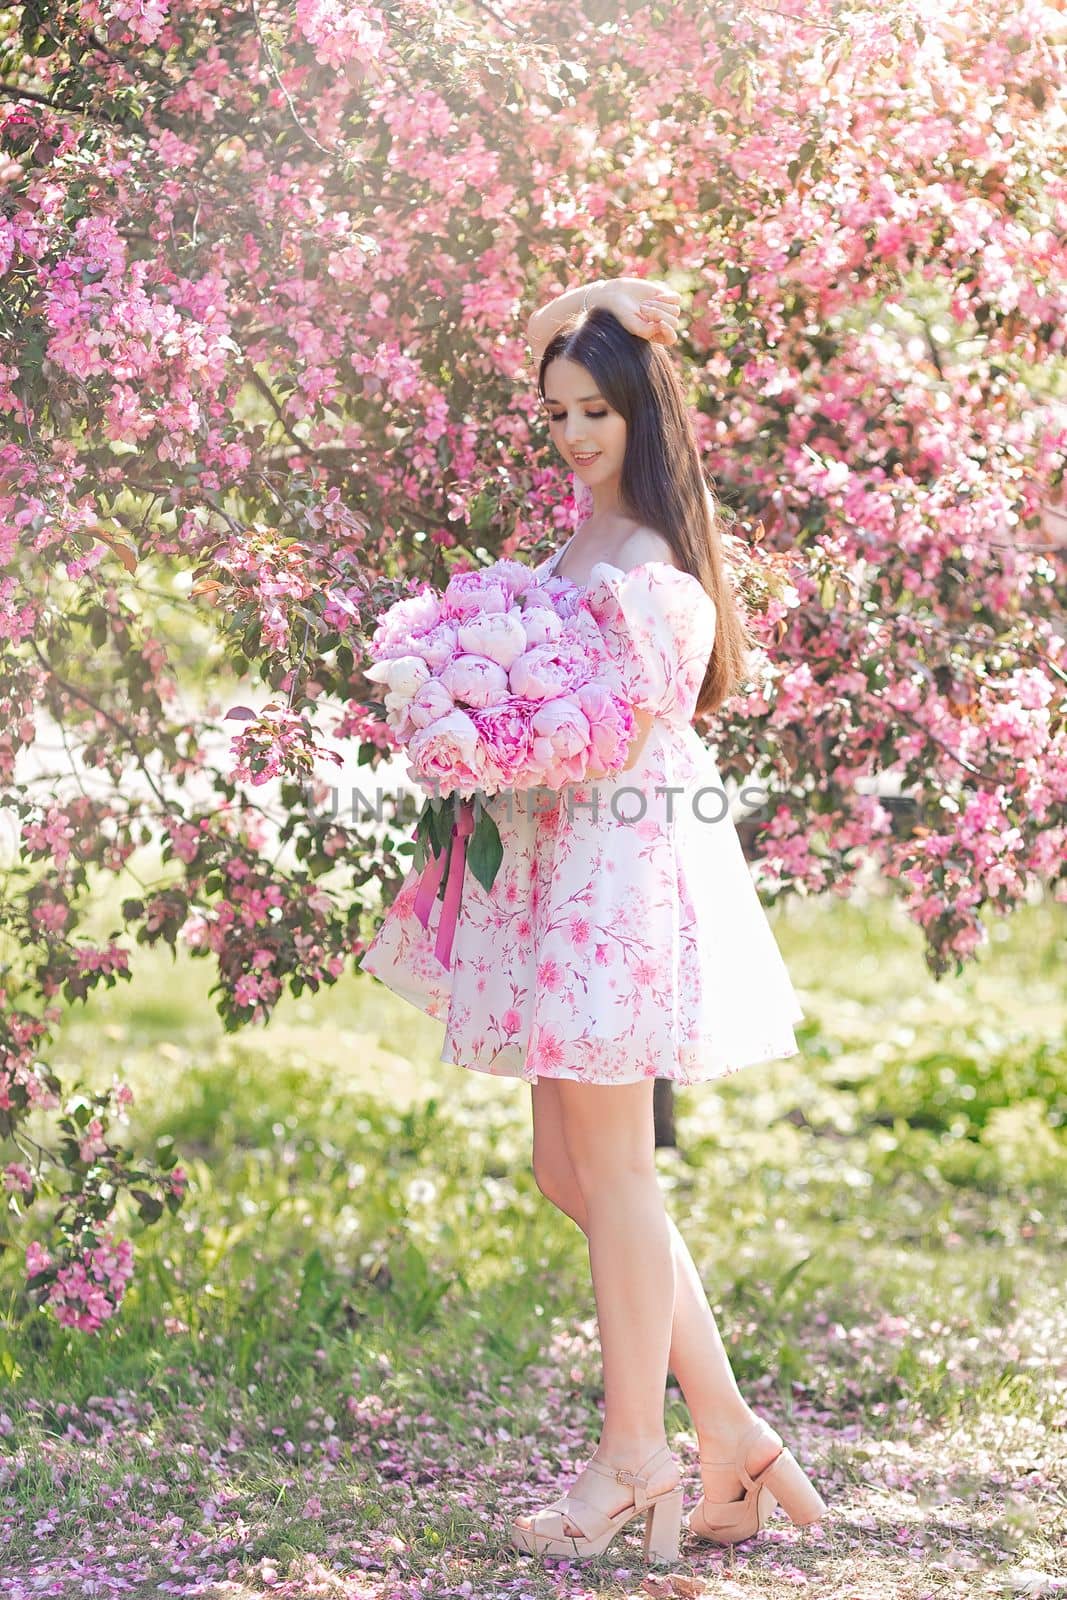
658	626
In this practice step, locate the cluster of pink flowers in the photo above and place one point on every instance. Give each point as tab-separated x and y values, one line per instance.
503	681
142	19
340	31
90	1288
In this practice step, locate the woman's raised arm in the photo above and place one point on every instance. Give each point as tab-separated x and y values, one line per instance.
645	306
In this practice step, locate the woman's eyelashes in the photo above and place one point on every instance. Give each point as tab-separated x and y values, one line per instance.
563	418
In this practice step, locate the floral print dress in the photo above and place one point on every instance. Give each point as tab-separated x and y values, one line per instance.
623	937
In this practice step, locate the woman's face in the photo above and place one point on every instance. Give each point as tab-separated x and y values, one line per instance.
582	423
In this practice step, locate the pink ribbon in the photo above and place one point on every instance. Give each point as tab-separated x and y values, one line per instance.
430	879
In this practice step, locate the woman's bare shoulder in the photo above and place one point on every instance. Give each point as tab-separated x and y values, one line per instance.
645	544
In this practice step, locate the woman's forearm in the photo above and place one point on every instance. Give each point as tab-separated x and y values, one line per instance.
546	321
647	307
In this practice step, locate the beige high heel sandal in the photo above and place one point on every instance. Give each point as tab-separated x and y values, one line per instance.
783	1482
662	1513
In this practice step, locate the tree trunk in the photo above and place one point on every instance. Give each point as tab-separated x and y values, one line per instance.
663	1113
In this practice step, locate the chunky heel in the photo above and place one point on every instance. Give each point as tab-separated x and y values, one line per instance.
663	1527
543	1534
781	1483
794	1490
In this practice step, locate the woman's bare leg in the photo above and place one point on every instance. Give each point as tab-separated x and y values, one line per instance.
609	1137
697	1355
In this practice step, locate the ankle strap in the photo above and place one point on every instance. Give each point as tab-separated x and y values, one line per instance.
642	1474
744	1439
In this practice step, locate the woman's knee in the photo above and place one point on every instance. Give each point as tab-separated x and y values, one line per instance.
556	1182
551	1163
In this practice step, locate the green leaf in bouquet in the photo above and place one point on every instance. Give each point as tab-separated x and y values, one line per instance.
443	885
422	840
440	824
484	850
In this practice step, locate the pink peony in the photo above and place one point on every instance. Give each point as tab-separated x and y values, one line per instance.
402	675
475	594
429	703
506	735
500	637
561	741
505	681
475	681
404	621
437	645
611	722
448	752
549	670
541	626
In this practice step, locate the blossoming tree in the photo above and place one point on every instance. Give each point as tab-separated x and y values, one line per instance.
266	271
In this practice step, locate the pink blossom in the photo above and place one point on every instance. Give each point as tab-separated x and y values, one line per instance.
92	1143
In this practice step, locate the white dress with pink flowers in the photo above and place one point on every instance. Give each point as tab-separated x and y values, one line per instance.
623	937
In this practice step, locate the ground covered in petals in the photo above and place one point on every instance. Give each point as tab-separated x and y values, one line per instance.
366	1340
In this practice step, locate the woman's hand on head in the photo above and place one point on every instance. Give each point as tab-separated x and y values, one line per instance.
645	306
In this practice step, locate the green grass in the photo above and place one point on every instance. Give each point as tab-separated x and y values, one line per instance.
366	1299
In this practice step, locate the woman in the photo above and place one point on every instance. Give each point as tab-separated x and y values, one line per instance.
624	942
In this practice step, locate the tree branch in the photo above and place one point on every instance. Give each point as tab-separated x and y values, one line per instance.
16	93
272	69
79	694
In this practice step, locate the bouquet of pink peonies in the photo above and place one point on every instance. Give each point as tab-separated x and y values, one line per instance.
501	682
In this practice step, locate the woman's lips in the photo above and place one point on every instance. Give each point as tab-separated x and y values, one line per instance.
583	461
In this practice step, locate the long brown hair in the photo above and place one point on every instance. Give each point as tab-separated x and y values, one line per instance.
663	484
